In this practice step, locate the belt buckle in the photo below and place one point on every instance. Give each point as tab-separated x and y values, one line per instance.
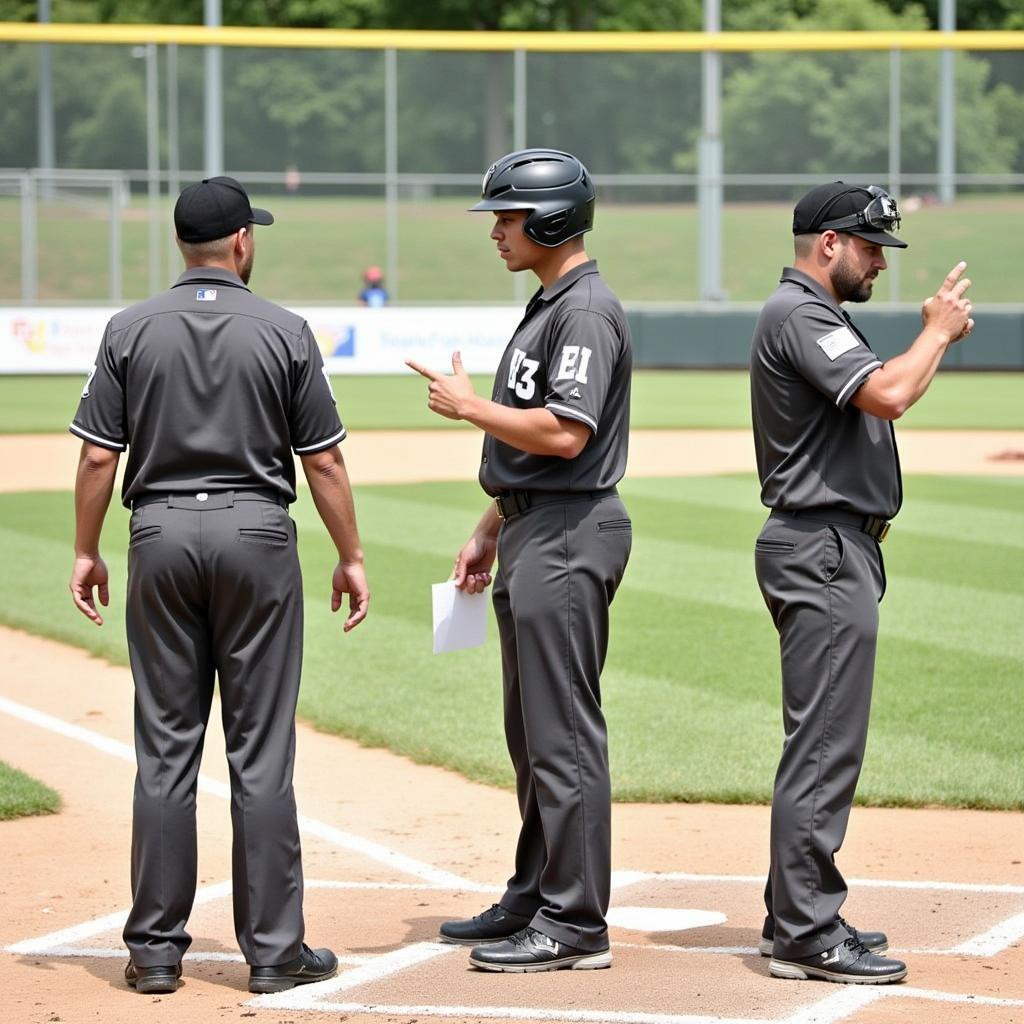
884	531
499	507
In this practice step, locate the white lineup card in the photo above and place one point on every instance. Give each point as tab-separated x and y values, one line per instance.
460	619
836	342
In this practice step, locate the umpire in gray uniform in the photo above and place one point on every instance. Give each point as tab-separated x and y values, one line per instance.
210	390
823	403
556	432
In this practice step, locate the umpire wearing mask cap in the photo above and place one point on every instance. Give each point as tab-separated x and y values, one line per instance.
211	390
823	405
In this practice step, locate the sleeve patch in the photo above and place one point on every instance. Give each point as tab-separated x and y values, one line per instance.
836	342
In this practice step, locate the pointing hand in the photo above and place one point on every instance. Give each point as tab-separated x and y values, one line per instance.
447	396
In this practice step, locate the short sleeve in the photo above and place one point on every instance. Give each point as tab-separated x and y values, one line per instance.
314	422
101	417
826	351
584	350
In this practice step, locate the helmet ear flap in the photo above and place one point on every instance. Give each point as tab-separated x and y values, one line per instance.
554	224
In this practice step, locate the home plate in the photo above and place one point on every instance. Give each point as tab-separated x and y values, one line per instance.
662	919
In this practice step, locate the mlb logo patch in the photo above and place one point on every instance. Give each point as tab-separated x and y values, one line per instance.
207	294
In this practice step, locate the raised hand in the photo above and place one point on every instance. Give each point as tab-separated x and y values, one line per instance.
947	310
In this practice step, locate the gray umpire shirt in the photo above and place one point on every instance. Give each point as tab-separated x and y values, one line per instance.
571	354
210	388
814	449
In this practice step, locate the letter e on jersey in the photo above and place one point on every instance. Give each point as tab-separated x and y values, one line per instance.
575	360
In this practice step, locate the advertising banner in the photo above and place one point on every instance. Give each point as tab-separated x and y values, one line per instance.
352	339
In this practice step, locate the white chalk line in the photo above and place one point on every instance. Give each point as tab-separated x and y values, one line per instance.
366	971
309	997
995	940
198	957
99	925
833	1008
310	826
621	879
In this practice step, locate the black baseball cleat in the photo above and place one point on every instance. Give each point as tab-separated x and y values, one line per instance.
309	966
492	925
877	942
849	963
152	980
531	950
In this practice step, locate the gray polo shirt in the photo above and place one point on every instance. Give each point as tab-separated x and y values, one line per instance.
570	354
814	449
209	388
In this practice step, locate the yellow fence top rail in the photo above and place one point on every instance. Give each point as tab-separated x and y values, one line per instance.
575	42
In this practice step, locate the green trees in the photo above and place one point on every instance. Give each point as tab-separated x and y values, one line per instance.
624	113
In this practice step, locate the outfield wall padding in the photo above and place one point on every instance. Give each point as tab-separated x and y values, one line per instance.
710	338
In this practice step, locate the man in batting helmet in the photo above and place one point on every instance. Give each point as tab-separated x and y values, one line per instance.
555	436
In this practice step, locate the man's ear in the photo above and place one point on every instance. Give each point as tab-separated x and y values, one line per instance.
830	243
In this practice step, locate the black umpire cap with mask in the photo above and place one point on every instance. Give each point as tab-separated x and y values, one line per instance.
866	211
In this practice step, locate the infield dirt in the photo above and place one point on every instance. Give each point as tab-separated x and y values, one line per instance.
392	848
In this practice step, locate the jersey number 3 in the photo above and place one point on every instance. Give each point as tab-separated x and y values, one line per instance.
520	374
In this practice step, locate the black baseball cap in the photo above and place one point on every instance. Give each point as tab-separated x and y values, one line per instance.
866	211
215	208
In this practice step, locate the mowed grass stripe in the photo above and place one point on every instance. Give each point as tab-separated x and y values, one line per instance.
692	682
661	399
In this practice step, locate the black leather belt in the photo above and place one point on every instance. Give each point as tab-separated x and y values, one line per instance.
510	504
873	526
200	500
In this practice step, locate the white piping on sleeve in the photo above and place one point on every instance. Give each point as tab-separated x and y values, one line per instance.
105	441
325	443
573	414
855	378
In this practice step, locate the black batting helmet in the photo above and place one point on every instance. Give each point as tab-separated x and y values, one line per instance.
553	185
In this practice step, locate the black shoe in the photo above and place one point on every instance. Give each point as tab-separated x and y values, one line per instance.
877	942
151	980
531	950
849	963
492	925
309	966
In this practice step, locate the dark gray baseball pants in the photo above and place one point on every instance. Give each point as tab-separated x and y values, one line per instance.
214	587
559	567
822	584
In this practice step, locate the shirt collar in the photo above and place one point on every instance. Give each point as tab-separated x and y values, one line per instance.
817	289
215	275
567	280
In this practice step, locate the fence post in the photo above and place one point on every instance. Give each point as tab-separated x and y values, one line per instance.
709	156
947	107
116	283
391	165
519	281
29	249
895	159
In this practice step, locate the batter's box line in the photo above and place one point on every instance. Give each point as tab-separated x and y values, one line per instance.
833	1008
62	943
987	944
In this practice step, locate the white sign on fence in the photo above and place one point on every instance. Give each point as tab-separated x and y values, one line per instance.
352	340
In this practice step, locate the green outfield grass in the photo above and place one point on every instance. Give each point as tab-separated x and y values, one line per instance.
661	398
691	687
318	247
22	796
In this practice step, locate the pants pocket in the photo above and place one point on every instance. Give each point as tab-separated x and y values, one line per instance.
764	546
263	537
144	534
614	525
835	553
